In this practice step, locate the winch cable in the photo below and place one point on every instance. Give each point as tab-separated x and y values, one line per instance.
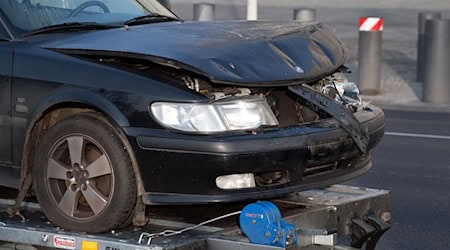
168	233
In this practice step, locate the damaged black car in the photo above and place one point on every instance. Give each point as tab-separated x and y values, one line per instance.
108	106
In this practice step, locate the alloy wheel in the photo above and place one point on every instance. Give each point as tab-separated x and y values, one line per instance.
79	177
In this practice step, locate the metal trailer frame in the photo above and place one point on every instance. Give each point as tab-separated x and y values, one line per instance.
324	218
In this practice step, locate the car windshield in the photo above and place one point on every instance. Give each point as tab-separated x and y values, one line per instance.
24	16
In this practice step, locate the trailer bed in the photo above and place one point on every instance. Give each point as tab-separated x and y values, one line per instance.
323	219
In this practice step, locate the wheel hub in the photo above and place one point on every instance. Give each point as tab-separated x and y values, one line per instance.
80	175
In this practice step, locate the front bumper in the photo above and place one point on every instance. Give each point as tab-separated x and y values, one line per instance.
182	169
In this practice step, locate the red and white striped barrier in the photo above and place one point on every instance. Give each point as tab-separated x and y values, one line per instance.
369	54
371	24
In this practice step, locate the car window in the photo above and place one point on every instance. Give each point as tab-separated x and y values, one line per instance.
28	15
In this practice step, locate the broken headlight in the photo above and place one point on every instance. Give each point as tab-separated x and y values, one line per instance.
343	91
226	115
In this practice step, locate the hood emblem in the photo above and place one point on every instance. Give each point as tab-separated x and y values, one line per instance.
299	70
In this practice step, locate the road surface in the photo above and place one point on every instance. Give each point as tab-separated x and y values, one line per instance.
413	161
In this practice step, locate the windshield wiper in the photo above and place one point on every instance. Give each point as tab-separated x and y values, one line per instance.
153	18
73	26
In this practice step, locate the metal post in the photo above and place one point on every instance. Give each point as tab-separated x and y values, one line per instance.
305	15
204	12
423	16
252	9
436	88
369	55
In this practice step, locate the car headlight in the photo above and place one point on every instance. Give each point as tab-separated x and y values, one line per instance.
236	181
225	115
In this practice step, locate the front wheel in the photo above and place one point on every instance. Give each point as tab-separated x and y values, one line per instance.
83	176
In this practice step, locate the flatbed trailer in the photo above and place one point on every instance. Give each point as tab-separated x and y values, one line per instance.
336	217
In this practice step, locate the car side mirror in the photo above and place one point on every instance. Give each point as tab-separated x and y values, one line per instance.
166	3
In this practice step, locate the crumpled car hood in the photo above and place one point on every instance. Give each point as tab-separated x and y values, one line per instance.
238	52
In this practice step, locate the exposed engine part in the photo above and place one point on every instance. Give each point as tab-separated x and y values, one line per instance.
214	93
229	92
192	83
288	109
338	87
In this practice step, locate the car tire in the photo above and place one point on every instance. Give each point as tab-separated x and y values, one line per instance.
83	176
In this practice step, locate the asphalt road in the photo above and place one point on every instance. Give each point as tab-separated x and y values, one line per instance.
413	161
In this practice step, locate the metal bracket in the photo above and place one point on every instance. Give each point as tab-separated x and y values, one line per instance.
325	237
361	232
317	101
368	230
381	228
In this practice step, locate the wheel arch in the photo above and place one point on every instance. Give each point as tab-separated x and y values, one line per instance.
65	104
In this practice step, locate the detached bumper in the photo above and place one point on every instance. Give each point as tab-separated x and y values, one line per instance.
182	169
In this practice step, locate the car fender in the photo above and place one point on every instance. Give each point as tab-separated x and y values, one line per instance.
74	96
80	96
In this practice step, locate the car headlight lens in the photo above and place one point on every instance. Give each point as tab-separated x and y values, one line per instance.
236	114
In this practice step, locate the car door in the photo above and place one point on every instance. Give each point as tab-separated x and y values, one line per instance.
6	59
8	172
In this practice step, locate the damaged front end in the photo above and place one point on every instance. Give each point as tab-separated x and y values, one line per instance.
289	106
246	142
255	109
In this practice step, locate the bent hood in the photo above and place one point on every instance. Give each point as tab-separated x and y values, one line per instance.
238	52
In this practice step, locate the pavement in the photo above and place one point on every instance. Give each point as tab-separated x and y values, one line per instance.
398	87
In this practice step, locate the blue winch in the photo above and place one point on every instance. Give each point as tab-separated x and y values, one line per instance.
261	222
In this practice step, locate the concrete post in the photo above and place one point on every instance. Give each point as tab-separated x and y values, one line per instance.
423	16
204	12
369	55
436	87
252	9
305	15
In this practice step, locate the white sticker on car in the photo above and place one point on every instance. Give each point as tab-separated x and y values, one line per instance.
64	242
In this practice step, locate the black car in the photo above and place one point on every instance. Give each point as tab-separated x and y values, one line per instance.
108	106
